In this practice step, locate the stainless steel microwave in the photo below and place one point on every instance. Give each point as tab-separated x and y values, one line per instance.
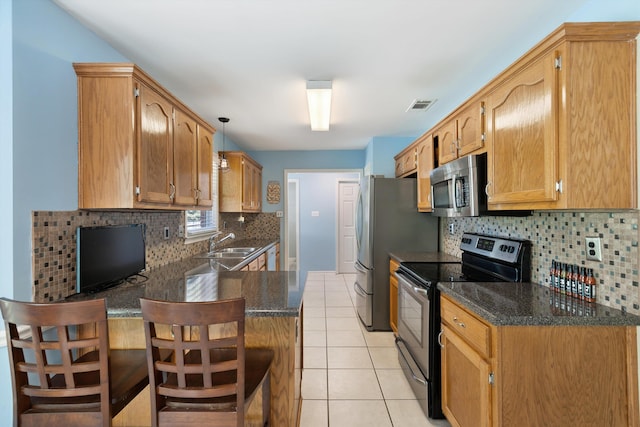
458	187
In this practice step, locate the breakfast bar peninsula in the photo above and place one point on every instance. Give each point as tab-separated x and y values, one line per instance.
273	320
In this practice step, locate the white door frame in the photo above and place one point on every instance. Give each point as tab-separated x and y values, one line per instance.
339	254
287	216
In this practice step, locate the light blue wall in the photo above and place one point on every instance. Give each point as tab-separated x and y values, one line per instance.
46	41
380	152
318	193
6	213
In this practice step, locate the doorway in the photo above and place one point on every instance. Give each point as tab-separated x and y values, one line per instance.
347	244
311	218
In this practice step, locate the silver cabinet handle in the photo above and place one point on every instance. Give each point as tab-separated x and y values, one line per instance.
440	338
486	189
172	194
458	322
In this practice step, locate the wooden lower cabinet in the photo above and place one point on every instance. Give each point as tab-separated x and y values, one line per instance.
512	376
393	296
281	334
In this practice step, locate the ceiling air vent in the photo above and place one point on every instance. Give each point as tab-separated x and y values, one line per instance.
420	105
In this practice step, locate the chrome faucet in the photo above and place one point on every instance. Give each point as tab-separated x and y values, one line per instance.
212	242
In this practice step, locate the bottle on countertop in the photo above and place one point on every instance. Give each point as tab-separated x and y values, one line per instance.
563	278
581	279
574	281
553	276
590	286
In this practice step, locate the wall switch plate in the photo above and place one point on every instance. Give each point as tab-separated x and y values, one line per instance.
166	233
593	248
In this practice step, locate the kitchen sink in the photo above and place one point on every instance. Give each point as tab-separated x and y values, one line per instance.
233	250
228	253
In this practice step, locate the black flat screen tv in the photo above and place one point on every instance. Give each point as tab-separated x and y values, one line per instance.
107	255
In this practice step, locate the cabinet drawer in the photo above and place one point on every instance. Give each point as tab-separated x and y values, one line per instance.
468	327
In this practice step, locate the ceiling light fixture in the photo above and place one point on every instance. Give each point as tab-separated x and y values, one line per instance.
224	163
319	100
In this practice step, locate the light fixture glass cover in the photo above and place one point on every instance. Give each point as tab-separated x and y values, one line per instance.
319	101
224	163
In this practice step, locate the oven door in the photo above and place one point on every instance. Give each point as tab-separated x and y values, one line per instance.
414	318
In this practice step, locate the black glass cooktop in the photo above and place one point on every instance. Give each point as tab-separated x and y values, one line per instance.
426	273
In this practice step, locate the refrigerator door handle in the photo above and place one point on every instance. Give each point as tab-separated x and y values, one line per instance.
359	214
359	290
360	267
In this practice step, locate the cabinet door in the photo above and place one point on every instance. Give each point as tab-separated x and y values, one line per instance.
393	303
466	392
247	190
470	127
185	140
406	163
205	167
155	147
522	136
425	160
256	189
447	142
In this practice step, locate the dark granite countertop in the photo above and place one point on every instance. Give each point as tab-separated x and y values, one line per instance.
529	304
267	293
401	256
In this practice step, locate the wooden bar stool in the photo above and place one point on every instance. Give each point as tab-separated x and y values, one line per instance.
211	379
62	371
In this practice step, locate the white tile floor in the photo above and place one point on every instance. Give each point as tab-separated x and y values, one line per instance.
351	377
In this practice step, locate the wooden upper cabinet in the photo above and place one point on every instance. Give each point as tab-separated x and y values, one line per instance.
185	159
138	147
405	161
561	125
204	167
447	142
462	134
470	124
241	185
522	135
426	162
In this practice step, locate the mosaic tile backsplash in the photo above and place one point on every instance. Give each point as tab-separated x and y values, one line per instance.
54	242
561	236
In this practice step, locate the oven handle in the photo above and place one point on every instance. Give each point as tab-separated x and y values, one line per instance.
407	282
409	365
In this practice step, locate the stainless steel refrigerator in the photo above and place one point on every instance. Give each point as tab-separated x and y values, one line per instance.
387	220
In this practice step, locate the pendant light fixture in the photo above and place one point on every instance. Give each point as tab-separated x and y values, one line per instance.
224	163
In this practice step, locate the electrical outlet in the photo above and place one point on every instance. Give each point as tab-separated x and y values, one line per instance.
593	248
452	229
181	231
166	233
279	214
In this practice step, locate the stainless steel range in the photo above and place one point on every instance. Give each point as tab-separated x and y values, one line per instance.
484	259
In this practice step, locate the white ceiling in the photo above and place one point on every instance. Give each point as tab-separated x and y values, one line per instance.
249	59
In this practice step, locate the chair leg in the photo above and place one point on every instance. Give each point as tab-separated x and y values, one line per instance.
266	399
